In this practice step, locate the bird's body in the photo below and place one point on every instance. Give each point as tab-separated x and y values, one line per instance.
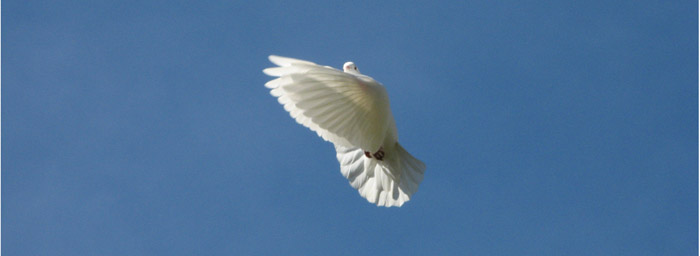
352	111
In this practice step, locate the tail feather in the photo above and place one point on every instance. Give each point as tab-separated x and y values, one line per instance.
390	182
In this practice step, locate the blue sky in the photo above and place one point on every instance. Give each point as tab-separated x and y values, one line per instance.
548	128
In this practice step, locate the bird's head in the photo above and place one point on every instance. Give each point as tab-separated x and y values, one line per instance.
350	67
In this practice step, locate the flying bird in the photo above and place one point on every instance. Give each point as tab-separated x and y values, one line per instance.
350	110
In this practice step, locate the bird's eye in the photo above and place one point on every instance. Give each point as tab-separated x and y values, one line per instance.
355	68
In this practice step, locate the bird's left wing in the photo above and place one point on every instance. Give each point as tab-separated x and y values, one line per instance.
346	109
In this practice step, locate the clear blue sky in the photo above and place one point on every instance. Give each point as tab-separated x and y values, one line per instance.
548	128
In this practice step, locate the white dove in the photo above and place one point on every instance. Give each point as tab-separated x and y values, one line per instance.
351	110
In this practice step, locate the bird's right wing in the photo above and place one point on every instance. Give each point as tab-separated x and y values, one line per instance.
345	109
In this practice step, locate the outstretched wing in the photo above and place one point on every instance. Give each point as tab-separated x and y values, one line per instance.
346	109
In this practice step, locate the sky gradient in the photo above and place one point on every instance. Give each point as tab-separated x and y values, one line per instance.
547	128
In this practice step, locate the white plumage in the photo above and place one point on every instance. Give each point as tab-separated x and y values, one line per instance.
352	111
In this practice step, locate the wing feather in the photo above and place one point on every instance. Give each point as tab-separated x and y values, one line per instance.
345	109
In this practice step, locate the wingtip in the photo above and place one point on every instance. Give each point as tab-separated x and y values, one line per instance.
286	61
269	72
279	60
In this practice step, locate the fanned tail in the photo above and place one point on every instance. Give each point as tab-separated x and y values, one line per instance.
390	182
